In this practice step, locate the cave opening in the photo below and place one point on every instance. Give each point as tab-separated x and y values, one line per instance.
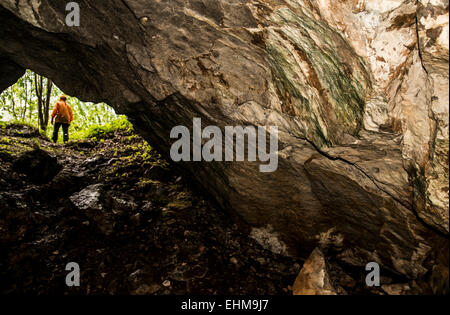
133	223
108	202
32	99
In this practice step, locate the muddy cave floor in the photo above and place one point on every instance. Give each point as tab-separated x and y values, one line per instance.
130	222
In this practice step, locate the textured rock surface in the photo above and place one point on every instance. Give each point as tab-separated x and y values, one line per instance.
89	200
313	279
358	90
12	70
38	165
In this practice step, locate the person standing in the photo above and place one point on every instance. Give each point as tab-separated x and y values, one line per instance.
62	116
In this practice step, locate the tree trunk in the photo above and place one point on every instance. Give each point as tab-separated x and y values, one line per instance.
43	103
47	103
24	111
13	103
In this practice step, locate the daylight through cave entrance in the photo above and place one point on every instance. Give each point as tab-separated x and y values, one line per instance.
31	100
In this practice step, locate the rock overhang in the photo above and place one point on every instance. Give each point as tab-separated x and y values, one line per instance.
282	63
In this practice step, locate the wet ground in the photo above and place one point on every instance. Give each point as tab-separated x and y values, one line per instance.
131	224
113	206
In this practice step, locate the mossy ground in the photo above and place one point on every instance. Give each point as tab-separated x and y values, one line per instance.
165	232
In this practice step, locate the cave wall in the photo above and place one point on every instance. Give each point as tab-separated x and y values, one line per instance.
358	90
12	70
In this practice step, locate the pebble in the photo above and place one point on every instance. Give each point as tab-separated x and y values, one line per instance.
143	20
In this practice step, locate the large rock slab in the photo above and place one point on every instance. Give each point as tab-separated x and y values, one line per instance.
358	90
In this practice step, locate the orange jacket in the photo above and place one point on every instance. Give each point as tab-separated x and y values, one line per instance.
63	113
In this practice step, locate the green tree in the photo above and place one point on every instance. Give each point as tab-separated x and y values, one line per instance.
43	97
30	100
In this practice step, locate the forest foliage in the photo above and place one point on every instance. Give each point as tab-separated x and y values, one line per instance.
31	99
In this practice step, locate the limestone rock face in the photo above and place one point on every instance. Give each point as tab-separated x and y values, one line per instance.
358	90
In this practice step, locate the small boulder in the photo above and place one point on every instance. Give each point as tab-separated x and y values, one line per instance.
38	165
89	201
120	203
24	131
313	278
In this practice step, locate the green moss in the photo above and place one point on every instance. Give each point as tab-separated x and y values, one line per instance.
144	182
179	204
330	82
5	140
4	152
101	131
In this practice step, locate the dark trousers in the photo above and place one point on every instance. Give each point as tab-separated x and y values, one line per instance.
65	128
